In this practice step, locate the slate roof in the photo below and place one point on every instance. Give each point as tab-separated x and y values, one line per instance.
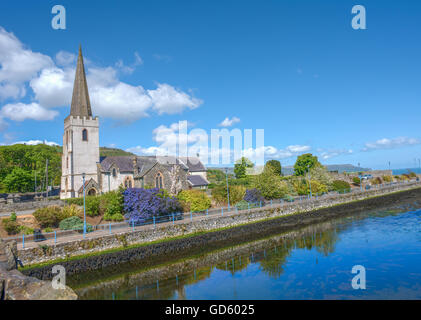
125	163
193	163
197	181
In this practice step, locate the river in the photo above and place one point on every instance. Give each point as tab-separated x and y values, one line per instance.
310	263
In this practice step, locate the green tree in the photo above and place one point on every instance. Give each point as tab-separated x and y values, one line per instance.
19	180
241	166
304	163
270	184
276	165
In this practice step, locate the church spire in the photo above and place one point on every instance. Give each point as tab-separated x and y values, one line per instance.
81	106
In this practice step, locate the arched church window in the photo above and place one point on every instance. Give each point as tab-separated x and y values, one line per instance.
114	172
85	135
66	184
128	183
158	181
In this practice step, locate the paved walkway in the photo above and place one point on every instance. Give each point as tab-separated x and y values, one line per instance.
18	213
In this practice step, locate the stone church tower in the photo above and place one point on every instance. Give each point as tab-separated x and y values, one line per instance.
80	141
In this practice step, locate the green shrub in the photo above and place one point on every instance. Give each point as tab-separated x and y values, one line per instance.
341	186
76	201
219	194
356	181
405	176
112	203
196	199
288	198
11	227
317	187
74	223
243	205
70	211
47	230
70	223
387	179
92	206
115	217
13	216
412	175
26	230
48	216
376	181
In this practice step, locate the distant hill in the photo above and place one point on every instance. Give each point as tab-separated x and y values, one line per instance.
109	152
22	165
340	168
289	170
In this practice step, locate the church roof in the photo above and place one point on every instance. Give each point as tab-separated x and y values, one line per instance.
194	164
81	105
197	181
145	163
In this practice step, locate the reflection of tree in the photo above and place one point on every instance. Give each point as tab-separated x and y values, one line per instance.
273	263
323	241
234	265
170	288
326	242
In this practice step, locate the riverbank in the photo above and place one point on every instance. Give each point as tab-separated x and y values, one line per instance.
281	219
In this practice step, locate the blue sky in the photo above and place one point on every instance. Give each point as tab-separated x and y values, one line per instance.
296	69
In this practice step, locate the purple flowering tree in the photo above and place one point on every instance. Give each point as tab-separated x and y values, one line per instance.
142	204
253	196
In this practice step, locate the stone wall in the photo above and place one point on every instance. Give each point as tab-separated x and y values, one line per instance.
16	286
28	205
308	212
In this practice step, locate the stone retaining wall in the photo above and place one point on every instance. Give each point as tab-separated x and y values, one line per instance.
28	205
312	212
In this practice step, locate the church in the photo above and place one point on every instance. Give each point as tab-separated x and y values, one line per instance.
81	158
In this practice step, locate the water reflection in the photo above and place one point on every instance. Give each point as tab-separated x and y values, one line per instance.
312	262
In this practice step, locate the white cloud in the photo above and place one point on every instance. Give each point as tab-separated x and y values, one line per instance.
20	111
35	142
327	154
52	86
64	58
120	101
386	143
198	141
109	97
169	100
18	65
229	122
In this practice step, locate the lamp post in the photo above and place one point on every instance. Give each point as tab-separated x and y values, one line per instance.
228	190
84	205
309	179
